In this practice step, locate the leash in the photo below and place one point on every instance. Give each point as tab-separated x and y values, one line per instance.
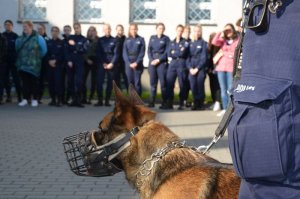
247	23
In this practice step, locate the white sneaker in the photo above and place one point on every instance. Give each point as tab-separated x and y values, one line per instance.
217	106
24	102
34	103
221	113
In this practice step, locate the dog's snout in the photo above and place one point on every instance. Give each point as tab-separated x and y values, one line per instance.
94	137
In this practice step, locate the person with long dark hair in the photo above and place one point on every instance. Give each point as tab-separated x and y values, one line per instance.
31	48
158	65
133	54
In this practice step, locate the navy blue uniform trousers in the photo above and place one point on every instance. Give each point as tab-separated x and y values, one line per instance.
158	72
197	85
264	131
55	81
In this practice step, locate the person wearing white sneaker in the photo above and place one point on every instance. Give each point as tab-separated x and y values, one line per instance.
217	106
24	102
30	48
34	103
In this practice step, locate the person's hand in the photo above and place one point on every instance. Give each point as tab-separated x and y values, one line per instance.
155	62
223	34
89	61
105	66
109	66
52	63
133	65
194	71
71	42
70	64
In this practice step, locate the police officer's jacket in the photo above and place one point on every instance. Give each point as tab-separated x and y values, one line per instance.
158	48
55	50
178	50
197	54
134	50
107	50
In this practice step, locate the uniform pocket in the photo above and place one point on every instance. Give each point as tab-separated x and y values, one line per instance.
260	130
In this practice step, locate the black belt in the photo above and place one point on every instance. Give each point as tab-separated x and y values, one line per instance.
132	54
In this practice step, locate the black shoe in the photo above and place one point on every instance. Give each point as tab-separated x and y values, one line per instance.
59	103
40	102
8	100
72	104
180	107
188	104
151	105
79	105
107	103
99	103
52	103
89	102
83	101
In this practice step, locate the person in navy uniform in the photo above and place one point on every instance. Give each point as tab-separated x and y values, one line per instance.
3	61
55	58
178	53
11	38
77	47
133	54
90	65
41	28
187	36
197	67
120	74
158	63
264	130
108	55
67	29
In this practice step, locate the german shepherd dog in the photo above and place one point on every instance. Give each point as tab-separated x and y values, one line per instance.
179	172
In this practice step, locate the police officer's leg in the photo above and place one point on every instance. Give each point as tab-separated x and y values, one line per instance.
110	77
124	75
100	80
162	76
171	79
117	75
7	85
153	84
87	69
71	81
137	79
181	74
16	79
194	88
51	85
58	83
201	88
41	81
79	69
93	81
187	89
129	75
2	76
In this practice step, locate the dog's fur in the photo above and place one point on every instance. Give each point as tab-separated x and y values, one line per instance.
180	174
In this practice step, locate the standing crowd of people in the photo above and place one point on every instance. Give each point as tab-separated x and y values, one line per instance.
33	58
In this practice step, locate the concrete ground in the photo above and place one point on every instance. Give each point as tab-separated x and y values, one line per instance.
33	165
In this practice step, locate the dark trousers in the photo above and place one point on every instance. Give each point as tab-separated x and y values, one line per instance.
55	83
176	70
187	86
75	79
134	77
120	74
42	78
197	85
101	75
65	90
156	73
87	70
30	85
11	71
3	69
214	87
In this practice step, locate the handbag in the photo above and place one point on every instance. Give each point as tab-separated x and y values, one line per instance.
218	56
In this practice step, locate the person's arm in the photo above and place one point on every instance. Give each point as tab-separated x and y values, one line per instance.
142	52
116	53
149	51
125	53
203	56
43	45
164	56
100	52
218	40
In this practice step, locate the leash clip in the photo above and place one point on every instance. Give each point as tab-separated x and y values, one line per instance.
205	148
273	6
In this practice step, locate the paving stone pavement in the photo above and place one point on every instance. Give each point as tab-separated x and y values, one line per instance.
33	165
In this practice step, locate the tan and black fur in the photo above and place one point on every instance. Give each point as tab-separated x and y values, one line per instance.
180	174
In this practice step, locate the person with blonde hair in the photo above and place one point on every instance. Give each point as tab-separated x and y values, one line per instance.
197	67
31	48
133	54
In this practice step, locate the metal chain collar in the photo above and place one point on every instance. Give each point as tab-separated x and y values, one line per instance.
147	166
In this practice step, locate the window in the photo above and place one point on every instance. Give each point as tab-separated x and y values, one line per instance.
89	11
34	10
143	11
199	11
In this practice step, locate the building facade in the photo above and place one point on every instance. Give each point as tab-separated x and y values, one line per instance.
212	14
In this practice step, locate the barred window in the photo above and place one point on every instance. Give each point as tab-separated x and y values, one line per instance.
34	10
143	11
89	11
199	11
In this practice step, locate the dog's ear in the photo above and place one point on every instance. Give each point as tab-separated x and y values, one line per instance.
121	101
134	97
146	115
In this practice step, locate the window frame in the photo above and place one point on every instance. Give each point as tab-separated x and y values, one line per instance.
21	15
211	22
102	21
147	22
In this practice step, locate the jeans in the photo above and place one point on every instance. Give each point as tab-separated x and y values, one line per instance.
225	81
